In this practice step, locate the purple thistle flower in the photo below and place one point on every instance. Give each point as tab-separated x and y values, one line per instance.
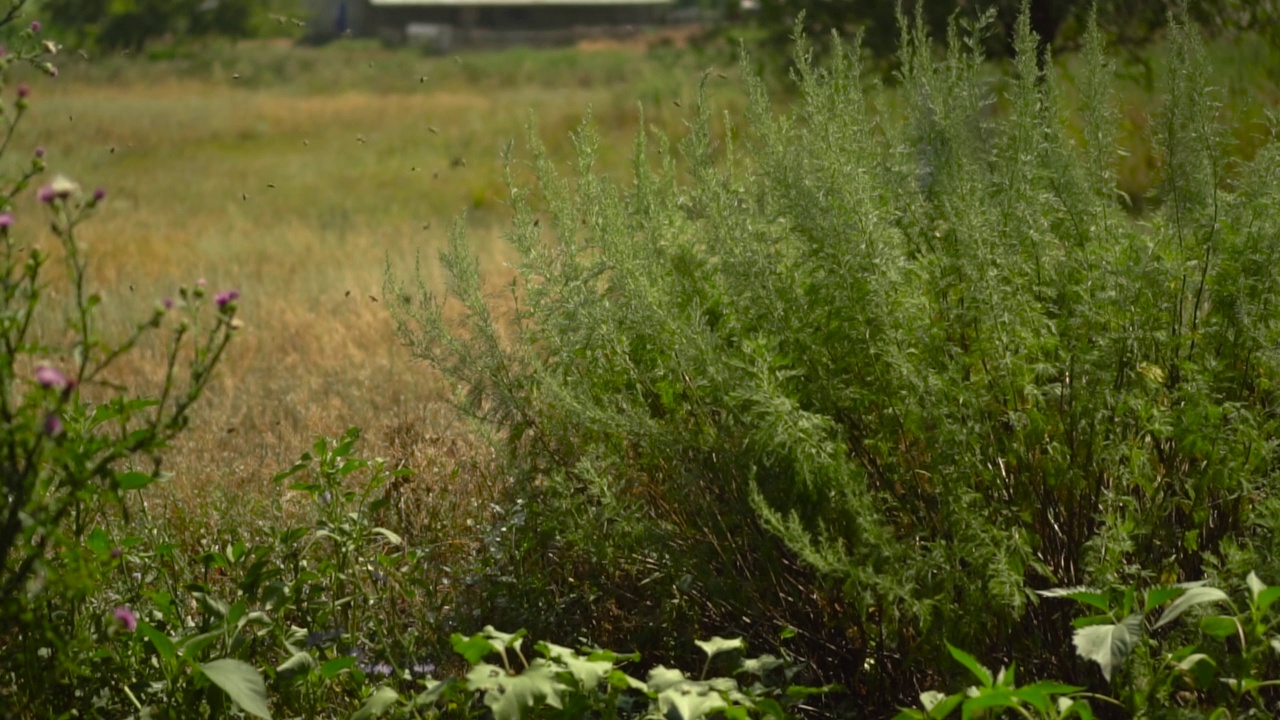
126	618
40	152
168	303
226	297
52	425
116	553
51	377
99	194
23	92
6	220
35	26
47	194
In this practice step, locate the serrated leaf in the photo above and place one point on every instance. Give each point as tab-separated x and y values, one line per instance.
588	673
473	649
717	645
979	671
503	640
242	682
507	695
378	703
1191	598
1108	645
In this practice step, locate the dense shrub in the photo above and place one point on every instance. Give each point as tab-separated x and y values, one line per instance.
925	342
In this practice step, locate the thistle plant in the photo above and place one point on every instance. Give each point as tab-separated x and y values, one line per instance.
73	445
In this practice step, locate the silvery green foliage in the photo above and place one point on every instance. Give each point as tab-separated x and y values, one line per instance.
917	333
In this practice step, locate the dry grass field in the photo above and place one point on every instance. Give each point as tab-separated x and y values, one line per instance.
295	175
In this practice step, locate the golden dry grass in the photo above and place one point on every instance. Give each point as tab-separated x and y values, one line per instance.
297	199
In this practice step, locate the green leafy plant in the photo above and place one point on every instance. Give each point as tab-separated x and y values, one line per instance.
1228	672
917	335
999	692
562	683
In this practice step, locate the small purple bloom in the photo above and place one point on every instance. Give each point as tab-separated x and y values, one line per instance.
23	91
423	669
35	26
126	618
47	194
50	377
168	303
379	669
226	297
116	553
52	425
40	152
6	220
99	194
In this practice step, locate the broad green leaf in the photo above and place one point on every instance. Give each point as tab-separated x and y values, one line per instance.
661	678
717	645
761	665
242	682
978	670
300	662
588	673
474	648
1219	626
377	704
996	697
332	667
909	714
1192	597
98	541
504	640
133	480
161	642
1108	645
1161	595
623	681
930	698
1199	666
1256	586
1068	707
391	537
689	705
946	706
1084	595
507	695
1267	598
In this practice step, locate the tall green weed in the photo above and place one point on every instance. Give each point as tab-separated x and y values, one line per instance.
918	336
